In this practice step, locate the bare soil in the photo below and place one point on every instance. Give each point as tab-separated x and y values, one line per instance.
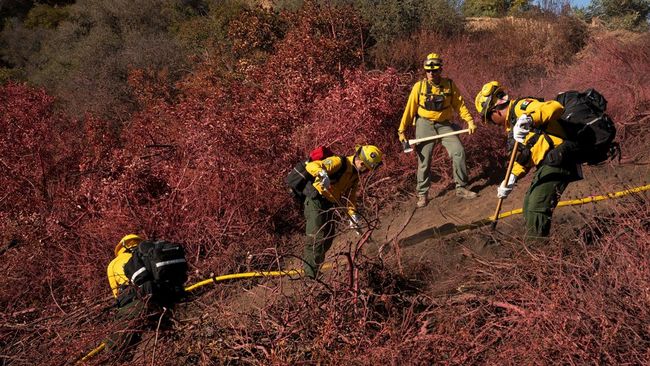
417	242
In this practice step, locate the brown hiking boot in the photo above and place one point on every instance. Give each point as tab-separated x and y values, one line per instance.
422	201
465	193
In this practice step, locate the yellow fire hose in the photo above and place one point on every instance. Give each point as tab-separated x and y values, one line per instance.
579	201
582	201
475	224
92	353
291	272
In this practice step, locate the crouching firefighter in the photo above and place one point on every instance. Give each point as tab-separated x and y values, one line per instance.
332	180
535	125
146	278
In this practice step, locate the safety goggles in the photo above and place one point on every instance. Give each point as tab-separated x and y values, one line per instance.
433	63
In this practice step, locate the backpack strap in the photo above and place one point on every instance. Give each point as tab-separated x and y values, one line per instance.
339	173
424	83
451	93
539	133
513	116
451	88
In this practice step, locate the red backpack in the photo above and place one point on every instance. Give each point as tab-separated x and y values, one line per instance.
320	153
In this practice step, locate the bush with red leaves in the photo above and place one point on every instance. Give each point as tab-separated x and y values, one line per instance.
40	151
585	302
204	164
625	84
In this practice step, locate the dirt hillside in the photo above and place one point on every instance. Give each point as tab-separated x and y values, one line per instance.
420	243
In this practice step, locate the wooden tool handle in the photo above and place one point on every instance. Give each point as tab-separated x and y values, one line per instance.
423	139
511	164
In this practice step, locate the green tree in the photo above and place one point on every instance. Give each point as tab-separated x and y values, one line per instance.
621	14
494	8
46	16
84	57
441	16
391	19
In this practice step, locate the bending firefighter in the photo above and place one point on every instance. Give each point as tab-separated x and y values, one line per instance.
534	124
130	307
335	180
430	108
146	278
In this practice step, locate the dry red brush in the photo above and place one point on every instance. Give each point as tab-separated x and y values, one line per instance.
203	165
576	301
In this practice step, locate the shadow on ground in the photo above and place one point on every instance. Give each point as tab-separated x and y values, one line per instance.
440	231
425	235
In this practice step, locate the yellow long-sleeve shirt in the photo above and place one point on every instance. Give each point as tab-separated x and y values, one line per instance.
453	101
115	271
545	117
344	187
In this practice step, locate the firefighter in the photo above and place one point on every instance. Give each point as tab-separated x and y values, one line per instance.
318	207
130	306
534	124
430	108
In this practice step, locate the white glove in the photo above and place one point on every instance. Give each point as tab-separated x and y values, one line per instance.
355	222
324	179
522	128
506	187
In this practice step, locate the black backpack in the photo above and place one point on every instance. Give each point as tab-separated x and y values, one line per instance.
587	125
157	268
300	182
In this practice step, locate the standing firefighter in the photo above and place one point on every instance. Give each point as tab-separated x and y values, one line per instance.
146	277
430	107
534	125
335	179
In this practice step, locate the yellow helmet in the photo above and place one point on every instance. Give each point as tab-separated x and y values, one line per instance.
129	241
491	94
370	155
433	62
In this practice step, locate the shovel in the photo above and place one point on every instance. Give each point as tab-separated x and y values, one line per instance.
511	163
407	146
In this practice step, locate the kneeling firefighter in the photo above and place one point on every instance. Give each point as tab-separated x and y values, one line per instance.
335	178
534	124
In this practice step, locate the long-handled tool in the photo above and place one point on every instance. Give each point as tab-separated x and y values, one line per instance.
511	163
407	146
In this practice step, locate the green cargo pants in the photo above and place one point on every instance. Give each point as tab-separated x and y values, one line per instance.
319	227
127	321
543	195
426	128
